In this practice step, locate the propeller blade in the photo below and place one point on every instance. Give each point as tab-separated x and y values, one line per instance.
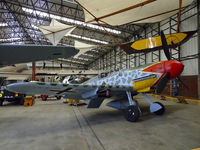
165	46
162	83
183	83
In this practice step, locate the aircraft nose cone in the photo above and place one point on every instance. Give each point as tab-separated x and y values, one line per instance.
175	68
76	51
13	88
10	88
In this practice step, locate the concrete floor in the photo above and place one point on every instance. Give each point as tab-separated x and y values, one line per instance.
52	125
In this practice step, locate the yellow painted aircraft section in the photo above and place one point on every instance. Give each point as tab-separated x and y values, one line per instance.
73	101
144	85
144	90
156	41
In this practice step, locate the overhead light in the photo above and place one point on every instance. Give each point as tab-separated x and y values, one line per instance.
10	39
84	59
17	43
88	55
76	22
71	1
34	27
73	61
88	39
3	24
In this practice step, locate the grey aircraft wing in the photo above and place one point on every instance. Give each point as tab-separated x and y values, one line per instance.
74	91
13	54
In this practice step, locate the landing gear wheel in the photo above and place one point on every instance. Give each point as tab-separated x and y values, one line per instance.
21	101
1	102
132	113
161	111
44	97
58	97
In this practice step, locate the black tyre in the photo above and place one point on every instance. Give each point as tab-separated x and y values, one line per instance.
21	101
132	113
44	98
162	110
58	97
1	102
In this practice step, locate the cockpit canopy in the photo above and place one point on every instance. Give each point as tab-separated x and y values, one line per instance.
107	73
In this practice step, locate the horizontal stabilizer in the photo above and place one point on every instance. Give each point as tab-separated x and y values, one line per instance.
95	103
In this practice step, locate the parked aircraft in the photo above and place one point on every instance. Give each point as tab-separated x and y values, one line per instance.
143	79
13	54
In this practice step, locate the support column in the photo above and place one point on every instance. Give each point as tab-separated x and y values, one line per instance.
120	58
110	59
198	41
115	55
33	70
159	51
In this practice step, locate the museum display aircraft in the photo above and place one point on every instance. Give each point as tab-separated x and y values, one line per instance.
143	79
134	12
154	43
14	54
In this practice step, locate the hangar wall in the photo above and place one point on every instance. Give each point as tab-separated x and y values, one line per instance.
187	53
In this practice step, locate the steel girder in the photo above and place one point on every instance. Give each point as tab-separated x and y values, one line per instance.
20	23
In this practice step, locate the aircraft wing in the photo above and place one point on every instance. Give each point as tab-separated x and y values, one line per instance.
154	43
74	91
13	54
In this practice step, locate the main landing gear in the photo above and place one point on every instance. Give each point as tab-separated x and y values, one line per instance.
132	113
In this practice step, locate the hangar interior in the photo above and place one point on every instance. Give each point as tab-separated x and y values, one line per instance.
20	21
29	22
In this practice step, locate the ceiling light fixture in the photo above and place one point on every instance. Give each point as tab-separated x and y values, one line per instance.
3	24
77	22
88	39
10	39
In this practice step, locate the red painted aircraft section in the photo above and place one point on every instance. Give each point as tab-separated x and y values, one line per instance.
174	67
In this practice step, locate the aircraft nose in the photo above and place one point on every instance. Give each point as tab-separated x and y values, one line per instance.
76	51
174	67
14	88
10	88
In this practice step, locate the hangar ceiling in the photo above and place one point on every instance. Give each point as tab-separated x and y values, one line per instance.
19	20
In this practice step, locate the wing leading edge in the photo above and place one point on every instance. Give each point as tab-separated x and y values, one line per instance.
74	91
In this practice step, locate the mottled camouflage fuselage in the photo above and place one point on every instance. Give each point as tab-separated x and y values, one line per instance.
123	78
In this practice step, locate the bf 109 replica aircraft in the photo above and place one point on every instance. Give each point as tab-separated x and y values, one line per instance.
149	78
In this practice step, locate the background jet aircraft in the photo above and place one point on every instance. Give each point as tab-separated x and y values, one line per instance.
148	78
13	54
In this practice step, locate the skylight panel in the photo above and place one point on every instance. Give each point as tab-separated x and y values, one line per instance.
72	21
88	39
3	24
